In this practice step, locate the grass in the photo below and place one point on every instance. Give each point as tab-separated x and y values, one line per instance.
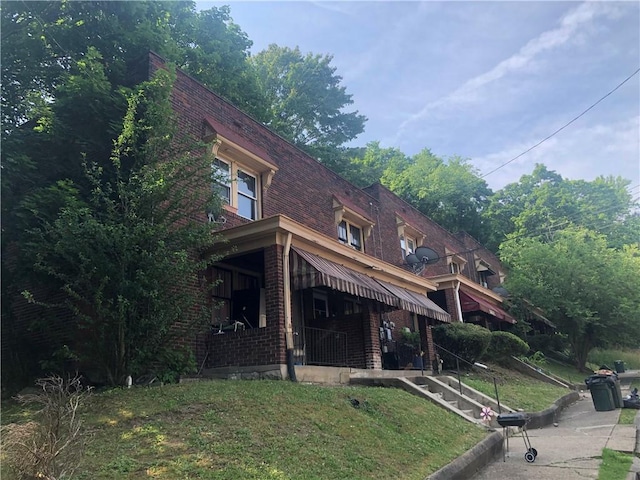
266	430
615	465
515	389
627	416
631	358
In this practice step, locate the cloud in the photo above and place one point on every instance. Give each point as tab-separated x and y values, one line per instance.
523	60
585	152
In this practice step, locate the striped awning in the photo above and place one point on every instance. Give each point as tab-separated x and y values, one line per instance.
416	303
309	270
472	303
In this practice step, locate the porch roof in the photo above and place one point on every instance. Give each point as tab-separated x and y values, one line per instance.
472	303
310	270
417	303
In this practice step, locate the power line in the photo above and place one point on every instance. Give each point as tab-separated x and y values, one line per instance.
563	127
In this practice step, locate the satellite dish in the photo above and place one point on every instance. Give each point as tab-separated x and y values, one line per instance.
412	259
500	290
426	255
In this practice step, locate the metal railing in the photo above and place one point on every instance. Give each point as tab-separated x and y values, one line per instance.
472	365
316	346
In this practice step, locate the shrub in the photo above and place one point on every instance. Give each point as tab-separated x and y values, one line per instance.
503	345
465	340
548	343
52	445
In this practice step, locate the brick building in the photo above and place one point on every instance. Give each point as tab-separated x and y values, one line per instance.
321	270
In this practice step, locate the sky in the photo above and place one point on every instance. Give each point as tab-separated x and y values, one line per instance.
481	80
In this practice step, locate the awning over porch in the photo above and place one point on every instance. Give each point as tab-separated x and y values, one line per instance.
471	303
416	303
309	270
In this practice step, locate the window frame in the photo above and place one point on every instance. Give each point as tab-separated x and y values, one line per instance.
349	239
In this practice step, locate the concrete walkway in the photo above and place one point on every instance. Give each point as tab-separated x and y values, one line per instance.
570	450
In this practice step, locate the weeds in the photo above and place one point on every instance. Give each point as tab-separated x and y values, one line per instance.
52	444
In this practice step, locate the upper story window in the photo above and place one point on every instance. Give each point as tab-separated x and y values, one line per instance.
352	224
454	261
410	237
237	187
350	234
407	245
241	171
484	270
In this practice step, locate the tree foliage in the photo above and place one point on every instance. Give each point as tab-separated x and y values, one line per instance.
306	100
125	252
585	287
543	201
450	191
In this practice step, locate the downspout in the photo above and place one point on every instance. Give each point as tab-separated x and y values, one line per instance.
288	328
458	306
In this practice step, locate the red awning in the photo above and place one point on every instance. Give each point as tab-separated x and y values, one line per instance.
472	303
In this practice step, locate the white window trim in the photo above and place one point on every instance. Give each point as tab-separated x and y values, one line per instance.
452	257
407	231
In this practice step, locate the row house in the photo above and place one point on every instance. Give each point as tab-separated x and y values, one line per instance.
322	273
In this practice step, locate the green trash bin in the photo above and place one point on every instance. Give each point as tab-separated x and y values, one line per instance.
601	393
616	391
619	366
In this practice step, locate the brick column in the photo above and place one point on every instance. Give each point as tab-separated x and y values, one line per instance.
371	320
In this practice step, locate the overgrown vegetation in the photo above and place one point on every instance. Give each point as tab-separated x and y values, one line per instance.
608	356
514	389
126	248
52	443
615	465
262	429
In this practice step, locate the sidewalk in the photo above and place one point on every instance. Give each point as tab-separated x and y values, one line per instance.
569	451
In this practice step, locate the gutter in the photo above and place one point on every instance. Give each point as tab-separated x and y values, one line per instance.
288	329
458	306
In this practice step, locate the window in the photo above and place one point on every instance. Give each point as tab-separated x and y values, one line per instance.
484	278
238	188
353	224
350	235
410	237
222	180
320	305
241	170
351	307
408	245
247	195
454	267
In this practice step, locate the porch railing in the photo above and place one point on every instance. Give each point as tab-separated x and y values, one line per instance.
316	346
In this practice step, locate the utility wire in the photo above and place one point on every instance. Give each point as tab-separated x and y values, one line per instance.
563	127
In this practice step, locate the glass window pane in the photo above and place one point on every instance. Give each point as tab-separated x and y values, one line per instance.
342	231
356	237
246	184
246	207
221	179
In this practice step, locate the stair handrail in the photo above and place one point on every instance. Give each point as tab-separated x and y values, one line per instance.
473	365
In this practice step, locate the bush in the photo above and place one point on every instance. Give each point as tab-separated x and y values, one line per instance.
503	345
51	446
548	343
465	340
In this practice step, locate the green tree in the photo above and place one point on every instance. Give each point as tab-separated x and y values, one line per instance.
543	202
585	287
306	100
127	254
449	192
369	165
